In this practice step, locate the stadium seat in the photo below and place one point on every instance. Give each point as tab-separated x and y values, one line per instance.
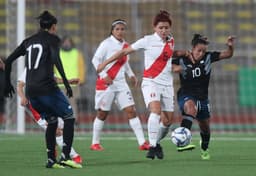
244	14
194	14
222	27
197	27
219	14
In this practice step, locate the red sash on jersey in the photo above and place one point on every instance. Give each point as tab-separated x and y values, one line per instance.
157	67
112	71
36	115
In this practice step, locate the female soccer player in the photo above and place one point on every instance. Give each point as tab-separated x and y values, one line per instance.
193	93
42	122
41	52
111	86
157	85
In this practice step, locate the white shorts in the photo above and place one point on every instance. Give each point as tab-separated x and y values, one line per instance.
158	92
104	99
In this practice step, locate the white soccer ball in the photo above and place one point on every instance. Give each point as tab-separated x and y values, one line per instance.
181	136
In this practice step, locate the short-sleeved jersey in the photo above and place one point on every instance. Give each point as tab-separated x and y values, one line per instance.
115	70
195	78
157	58
38	62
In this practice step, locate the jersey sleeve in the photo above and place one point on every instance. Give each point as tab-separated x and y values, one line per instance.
99	57
175	61
214	56
139	44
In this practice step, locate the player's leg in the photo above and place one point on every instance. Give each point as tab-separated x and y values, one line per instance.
98	124
61	108
203	118
59	140
188	108
103	103
39	105
125	101
165	124
152	100
205	138
167	106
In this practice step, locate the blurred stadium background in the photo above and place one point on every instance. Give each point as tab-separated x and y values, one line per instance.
233	82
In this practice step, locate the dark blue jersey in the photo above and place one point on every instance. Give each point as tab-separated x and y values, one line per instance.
194	79
41	52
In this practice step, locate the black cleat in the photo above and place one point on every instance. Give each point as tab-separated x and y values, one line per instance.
151	153
159	152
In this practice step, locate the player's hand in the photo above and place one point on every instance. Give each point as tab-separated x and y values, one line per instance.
8	90
190	56
69	91
23	101
134	81
230	40
108	80
74	81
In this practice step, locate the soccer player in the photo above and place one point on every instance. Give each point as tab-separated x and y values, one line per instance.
111	86
41	52
193	93
42	122
157	84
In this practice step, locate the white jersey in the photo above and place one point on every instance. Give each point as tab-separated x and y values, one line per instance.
157	58
115	70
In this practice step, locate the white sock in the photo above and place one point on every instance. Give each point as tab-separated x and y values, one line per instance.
153	128
163	131
59	141
97	128
137	129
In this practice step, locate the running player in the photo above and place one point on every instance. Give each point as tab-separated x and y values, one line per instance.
42	122
41	52
111	86
193	93
157	85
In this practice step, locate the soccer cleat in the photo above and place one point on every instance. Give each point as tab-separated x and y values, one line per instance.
96	147
77	159
70	163
185	148
144	146
54	165
159	152
205	155
151	153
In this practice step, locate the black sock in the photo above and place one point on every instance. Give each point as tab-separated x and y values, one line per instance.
205	140
187	122
50	137
68	135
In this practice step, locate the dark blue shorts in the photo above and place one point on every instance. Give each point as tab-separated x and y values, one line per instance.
52	105
203	106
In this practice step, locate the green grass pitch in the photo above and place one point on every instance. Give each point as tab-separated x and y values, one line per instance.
231	155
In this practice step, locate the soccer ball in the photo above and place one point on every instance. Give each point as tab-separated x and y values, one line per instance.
181	136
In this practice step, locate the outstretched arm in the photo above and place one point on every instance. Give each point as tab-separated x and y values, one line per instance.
19	51
230	50
185	53
117	55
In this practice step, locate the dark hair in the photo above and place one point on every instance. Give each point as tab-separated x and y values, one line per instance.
67	37
199	39
162	16
115	22
46	20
